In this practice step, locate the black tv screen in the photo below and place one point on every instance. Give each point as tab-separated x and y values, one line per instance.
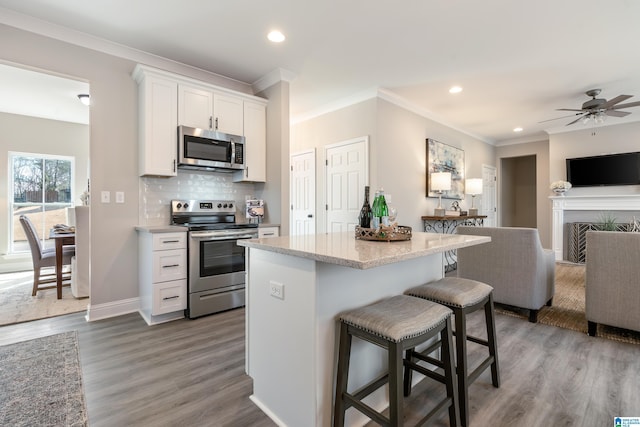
612	169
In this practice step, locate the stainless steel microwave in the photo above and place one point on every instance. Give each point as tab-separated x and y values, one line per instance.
209	150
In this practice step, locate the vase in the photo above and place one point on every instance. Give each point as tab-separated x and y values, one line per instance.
559	191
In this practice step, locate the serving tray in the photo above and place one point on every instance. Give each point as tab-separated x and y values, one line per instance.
384	234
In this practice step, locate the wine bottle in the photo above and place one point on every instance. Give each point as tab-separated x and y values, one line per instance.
375	211
384	210
364	219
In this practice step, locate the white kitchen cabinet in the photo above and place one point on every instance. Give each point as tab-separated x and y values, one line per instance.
157	104
167	100
269	231
207	109
162	274
255	133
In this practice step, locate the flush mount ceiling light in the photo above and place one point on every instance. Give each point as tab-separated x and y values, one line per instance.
518	129
455	89
276	36
84	98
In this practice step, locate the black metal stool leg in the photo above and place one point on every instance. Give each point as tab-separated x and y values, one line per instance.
344	354
462	369
490	318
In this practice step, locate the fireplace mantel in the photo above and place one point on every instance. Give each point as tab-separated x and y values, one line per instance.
627	202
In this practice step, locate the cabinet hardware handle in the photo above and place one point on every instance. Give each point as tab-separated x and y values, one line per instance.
171	265
173	297
174	165
170	241
210	122
268	234
216	123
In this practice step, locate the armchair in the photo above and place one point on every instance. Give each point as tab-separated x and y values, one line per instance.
514	263
612	288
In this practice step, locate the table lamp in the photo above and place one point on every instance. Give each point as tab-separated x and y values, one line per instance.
440	181
473	186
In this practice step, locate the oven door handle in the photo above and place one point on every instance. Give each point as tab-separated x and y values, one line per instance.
215	236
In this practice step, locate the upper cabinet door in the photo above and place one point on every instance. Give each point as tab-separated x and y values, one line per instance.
195	107
228	114
157	126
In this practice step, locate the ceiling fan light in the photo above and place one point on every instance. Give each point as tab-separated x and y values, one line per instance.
585	119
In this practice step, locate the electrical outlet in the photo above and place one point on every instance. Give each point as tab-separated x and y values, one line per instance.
276	289
105	197
119	196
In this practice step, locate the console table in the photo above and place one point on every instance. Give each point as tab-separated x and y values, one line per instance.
447	225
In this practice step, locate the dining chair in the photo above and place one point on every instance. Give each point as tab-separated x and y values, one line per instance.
44	258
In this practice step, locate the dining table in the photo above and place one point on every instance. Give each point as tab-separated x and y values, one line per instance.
61	239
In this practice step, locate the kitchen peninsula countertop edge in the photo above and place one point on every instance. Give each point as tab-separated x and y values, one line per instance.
344	249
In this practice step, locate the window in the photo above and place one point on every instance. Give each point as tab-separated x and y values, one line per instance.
41	189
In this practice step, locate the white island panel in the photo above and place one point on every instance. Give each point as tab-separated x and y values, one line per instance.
291	343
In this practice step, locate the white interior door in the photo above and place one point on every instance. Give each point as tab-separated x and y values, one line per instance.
347	173
489	195
303	193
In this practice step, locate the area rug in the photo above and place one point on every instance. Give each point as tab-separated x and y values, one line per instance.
41	383
17	305
568	309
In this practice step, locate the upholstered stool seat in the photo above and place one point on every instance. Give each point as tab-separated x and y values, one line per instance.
463	296
396	324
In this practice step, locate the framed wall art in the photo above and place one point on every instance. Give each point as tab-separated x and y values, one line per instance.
445	158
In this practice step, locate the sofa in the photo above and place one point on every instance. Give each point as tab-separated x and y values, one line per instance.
514	263
612	287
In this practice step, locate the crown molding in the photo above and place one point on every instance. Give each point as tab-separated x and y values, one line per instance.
276	76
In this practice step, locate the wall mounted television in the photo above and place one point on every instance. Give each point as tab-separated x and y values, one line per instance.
611	169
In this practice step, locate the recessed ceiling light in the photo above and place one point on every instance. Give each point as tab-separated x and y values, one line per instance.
517	129
455	89
276	36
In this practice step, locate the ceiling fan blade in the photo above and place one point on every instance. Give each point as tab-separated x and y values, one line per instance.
567	109
616	113
628	105
613	101
563	117
575	121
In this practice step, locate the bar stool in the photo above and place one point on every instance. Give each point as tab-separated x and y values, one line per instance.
465	296
396	324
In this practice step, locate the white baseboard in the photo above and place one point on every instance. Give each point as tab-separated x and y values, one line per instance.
267	411
112	309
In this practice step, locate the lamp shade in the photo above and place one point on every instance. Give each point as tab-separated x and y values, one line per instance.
441	181
473	186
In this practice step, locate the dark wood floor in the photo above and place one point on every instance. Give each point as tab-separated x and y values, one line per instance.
191	372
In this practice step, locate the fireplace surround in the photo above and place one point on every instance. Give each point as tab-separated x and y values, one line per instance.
604	203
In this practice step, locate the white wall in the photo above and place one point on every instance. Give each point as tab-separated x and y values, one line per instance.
397	152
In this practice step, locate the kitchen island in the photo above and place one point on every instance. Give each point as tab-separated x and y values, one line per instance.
296	286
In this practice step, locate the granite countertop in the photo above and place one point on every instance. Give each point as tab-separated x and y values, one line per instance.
344	249
162	228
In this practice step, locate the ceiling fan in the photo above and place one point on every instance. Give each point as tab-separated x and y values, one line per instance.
597	109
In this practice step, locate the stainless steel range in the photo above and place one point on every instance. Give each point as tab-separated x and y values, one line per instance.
216	275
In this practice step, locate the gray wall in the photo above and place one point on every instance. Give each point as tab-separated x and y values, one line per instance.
539	149
518	190
397	151
113	146
36	135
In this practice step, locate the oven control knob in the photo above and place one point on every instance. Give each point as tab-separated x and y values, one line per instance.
230	205
219	205
179	205
186	205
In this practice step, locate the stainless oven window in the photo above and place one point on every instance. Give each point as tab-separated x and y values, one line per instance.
220	257
206	149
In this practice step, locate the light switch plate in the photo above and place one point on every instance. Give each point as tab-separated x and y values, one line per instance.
105	197
119	196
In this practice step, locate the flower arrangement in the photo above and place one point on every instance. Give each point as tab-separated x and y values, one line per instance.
560	186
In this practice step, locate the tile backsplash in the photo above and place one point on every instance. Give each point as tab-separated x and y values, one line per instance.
156	193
